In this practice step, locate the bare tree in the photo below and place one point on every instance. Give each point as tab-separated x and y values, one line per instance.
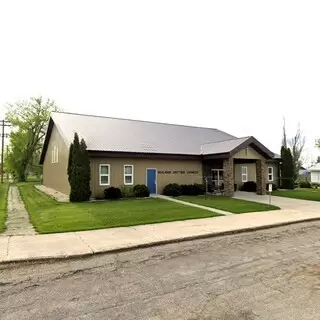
297	144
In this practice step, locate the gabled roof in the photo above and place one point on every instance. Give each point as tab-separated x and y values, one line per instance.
316	167
224	146
123	135
232	146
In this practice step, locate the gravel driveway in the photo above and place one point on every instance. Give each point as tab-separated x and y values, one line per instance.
272	274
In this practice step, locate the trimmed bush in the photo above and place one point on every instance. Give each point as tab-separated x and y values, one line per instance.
172	190
127	191
315	185
112	193
249	186
274	186
304	184
141	191
192	189
79	171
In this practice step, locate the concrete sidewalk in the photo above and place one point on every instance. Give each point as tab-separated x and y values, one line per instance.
72	244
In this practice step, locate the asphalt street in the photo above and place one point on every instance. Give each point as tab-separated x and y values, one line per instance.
271	274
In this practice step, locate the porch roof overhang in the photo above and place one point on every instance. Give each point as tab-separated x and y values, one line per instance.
228	148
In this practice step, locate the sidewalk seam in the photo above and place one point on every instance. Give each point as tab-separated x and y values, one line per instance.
92	251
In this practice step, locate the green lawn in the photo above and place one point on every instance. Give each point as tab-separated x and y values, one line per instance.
304	194
49	216
228	204
3	204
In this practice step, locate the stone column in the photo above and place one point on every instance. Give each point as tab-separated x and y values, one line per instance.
261	177
228	177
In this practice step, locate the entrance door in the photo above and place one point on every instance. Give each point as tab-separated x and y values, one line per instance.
217	177
152	180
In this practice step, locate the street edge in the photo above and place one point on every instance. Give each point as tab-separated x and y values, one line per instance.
155	243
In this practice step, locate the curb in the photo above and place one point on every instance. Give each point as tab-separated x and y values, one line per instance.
155	243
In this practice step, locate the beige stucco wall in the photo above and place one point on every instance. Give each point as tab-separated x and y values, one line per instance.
140	166
248	153
252	172
55	174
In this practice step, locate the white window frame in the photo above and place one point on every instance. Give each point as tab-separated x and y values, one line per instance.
55	155
127	175
270	174
244	174
104	174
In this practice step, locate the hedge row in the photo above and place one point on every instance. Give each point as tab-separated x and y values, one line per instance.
175	190
138	191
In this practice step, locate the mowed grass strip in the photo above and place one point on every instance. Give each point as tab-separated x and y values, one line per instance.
50	216
228	204
303	194
3	204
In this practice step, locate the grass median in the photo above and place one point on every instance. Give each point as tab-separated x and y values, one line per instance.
3	204
50	216
228	204
302	194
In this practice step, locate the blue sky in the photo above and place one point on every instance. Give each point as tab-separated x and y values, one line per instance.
240	66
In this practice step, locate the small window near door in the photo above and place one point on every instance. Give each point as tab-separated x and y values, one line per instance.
270	173
104	174
244	174
128	174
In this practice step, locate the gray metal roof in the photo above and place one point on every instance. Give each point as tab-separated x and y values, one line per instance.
224	146
122	135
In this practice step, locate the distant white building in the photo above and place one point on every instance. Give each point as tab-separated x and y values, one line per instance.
315	173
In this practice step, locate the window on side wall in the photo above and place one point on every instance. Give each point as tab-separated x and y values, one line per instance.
270	173
128	174
55	155
244	174
104	174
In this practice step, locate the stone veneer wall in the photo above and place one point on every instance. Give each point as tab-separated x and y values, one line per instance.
261	177
228	177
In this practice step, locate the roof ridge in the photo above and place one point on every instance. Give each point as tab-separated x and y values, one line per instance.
145	121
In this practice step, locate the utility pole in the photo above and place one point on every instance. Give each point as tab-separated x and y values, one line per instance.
4	123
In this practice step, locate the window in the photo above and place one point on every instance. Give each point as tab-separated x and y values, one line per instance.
55	155
128	174
104	174
270	173
244	174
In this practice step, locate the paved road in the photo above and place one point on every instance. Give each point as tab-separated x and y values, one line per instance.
272	274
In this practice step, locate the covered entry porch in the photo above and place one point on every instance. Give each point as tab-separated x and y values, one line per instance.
229	164
229	174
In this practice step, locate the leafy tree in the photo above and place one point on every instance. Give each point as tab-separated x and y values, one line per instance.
79	171
70	161
287	169
86	170
28	119
284	134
